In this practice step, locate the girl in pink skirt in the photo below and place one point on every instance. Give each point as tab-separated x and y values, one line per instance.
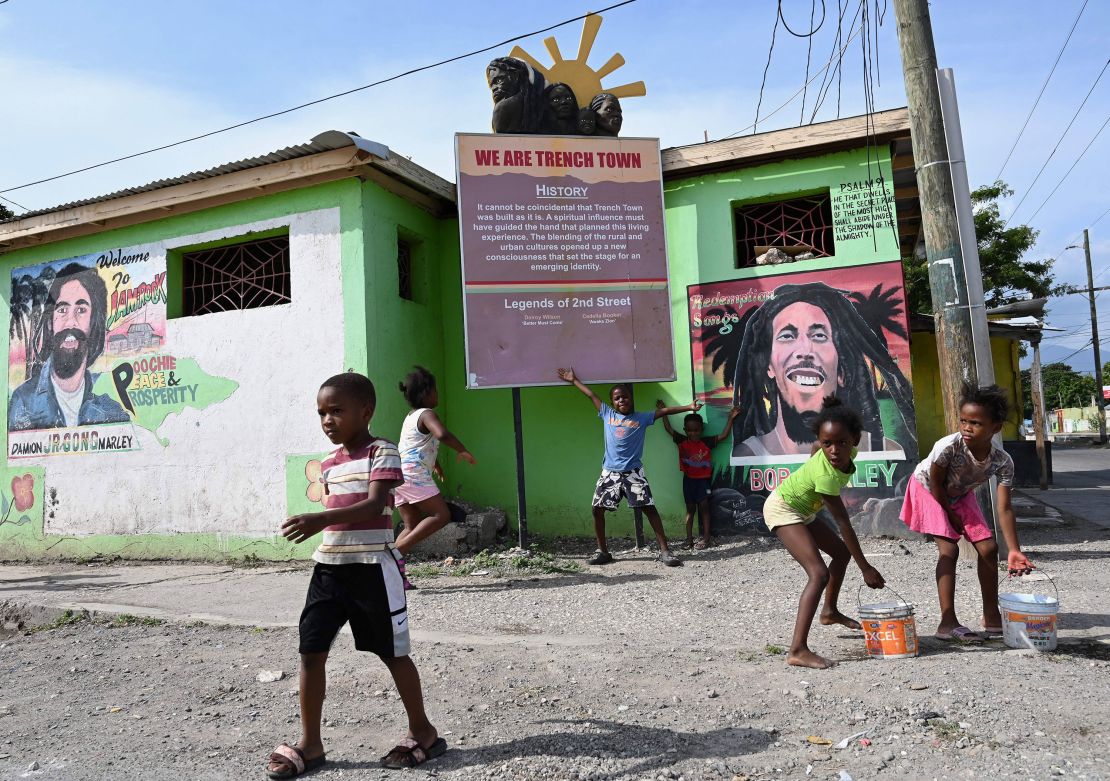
419	501
940	502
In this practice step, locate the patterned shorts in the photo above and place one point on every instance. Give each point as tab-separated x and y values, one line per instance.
633	486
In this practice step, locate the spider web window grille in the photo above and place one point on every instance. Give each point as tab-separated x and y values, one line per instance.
803	221
404	270
239	276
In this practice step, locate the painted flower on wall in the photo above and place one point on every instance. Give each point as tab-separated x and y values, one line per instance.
314	472
23	497
23	492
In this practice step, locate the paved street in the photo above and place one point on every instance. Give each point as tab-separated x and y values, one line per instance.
1081	484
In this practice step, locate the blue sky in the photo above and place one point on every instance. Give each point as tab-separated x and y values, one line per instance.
85	82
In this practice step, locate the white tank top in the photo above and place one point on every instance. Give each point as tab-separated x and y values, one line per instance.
418	451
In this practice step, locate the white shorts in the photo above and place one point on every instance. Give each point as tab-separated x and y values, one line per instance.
776	512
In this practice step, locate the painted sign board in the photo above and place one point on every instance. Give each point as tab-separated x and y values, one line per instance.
564	259
775	345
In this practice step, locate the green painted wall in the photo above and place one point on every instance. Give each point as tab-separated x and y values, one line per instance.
562	434
385	335
21	539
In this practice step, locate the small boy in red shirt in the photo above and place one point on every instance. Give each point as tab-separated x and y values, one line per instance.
695	459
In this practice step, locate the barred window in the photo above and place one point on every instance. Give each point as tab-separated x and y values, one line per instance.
796	226
249	275
404	269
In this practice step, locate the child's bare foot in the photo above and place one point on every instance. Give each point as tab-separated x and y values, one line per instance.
689	542
807	658
839	618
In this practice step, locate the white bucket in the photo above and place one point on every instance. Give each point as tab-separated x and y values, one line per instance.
1029	620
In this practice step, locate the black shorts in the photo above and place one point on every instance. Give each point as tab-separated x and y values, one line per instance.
695	490
369	596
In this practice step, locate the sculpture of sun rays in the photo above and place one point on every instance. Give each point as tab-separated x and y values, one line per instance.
584	80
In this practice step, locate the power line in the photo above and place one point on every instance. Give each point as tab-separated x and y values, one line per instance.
812	30
1073	165
353	90
799	92
766	67
809	49
1058	142
9	200
1099	219
1041	93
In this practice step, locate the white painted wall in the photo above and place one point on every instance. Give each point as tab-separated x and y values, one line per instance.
223	470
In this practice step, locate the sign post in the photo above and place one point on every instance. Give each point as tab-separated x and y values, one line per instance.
521	502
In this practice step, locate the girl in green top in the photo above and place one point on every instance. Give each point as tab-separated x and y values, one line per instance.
791	509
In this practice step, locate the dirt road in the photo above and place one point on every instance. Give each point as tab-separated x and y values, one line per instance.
631	672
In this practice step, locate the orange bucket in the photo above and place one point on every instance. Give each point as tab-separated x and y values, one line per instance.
889	629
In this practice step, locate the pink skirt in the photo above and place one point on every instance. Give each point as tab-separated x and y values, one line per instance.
413	494
921	513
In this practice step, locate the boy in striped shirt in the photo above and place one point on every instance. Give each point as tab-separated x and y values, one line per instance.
357	577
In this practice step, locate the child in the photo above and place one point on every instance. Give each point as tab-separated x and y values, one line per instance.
357	578
622	472
790	512
940	502
419	501
695	460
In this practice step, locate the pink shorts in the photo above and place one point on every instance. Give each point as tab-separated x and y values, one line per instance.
412	494
922	513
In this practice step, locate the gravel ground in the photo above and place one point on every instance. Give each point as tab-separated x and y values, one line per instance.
635	671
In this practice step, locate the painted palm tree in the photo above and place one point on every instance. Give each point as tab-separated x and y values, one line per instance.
26	308
883	310
724	348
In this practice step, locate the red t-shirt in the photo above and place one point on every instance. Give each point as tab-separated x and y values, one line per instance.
695	459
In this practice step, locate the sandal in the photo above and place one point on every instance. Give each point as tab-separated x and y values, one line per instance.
701	545
960	634
408	754
293	762
601	557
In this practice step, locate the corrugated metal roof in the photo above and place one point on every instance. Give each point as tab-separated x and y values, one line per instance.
324	142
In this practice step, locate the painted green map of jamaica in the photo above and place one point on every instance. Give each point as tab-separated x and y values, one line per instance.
154	387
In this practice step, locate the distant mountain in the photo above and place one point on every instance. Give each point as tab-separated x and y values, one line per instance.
1082	361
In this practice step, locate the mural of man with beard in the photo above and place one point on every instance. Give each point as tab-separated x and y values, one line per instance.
73	333
807	342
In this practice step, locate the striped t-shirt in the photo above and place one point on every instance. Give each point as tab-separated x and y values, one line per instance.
347	479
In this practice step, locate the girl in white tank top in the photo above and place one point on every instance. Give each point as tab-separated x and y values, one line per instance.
418	500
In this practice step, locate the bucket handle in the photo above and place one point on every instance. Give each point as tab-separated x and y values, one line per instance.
859	602
1051	582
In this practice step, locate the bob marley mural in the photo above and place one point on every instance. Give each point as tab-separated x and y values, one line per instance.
775	346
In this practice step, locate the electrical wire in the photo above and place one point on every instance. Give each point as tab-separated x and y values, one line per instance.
344	93
9	200
1073	165
791	99
826	80
1029	189
766	67
1041	93
809	51
813	30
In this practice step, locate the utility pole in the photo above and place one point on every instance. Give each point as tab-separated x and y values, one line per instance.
1036	385
1099	401
952	311
956	315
